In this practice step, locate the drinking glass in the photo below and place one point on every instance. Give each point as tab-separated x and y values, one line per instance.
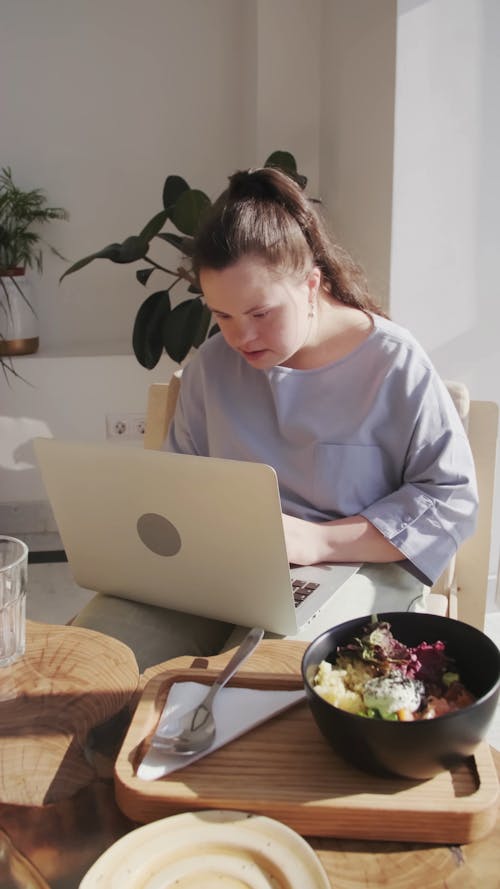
13	580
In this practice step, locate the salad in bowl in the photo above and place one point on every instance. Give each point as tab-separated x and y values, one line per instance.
377	676
402	693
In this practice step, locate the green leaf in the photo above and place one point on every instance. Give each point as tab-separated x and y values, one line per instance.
301	180
201	331
188	210
143	275
284	160
147	340
181	328
109	252
132	249
172	190
154	226
185	245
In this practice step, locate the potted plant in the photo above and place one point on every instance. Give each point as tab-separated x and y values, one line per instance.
21	247
160	325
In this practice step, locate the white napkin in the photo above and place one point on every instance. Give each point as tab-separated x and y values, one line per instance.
236	710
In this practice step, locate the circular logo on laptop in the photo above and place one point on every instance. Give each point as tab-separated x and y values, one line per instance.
158	534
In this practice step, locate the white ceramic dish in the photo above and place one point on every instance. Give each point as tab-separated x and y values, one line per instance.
212	848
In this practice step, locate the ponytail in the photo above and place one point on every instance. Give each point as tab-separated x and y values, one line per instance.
264	213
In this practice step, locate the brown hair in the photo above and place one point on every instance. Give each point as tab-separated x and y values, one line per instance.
265	213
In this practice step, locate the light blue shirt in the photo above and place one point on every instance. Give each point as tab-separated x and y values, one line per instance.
375	433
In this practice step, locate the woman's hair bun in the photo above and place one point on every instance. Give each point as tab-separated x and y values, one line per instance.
264	183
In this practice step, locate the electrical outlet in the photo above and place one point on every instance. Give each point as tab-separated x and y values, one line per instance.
130	426
140	426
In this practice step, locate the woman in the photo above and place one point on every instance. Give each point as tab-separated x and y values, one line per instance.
309	376
372	459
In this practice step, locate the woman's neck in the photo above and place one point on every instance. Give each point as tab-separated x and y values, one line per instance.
336	331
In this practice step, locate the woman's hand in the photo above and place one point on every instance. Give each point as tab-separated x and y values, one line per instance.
303	540
353	539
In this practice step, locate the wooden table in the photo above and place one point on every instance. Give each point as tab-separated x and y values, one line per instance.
52	803
62	839
69	681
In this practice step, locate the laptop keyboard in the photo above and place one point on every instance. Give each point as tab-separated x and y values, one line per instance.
302	589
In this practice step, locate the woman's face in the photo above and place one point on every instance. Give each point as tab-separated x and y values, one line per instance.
264	316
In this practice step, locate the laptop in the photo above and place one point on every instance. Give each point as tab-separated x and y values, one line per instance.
202	535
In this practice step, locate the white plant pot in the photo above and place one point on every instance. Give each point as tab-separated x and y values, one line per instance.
18	318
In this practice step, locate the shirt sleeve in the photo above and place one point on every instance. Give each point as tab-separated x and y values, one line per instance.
435	508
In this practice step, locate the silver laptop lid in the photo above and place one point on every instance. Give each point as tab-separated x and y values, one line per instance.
197	534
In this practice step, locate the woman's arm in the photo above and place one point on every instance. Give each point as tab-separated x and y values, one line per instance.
353	539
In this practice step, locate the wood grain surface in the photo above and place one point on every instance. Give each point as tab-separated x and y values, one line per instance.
69	680
281	655
65	838
292	774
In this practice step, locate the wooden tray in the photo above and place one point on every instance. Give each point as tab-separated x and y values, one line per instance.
286	770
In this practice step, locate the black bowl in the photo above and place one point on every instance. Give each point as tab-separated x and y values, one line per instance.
422	748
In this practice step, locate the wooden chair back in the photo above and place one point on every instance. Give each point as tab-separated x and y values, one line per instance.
462	589
162	398
473	557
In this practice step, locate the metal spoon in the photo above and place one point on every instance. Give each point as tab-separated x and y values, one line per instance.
197	730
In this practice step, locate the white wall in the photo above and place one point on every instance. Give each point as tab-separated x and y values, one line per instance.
66	399
446	226
288	86
100	102
358	55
